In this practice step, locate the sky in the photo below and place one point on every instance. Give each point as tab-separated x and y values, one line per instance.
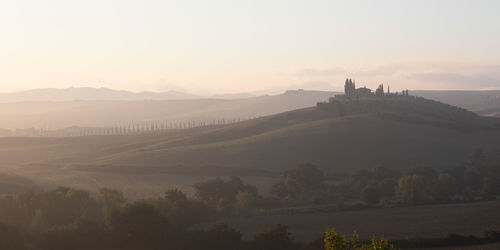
209	47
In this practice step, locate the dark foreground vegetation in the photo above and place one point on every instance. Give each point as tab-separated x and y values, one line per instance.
385	187
66	218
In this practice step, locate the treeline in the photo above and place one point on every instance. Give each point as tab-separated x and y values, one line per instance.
410	109
66	219
381	186
128	129
304	185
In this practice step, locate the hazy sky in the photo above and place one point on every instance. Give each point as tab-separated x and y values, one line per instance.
236	46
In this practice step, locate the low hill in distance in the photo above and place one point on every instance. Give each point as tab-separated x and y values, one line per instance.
56	115
485	103
103	109
372	132
428	133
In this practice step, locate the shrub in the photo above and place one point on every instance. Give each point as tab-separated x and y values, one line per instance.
336	241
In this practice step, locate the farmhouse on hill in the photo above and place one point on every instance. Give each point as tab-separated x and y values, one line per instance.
351	91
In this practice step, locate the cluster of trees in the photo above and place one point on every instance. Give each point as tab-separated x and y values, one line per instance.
350	87
409	109
141	226
228	196
425	185
65	219
304	184
58	207
64	206
307	184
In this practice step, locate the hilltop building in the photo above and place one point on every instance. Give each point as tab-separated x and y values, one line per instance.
351	92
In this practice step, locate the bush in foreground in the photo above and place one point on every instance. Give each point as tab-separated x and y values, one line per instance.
336	241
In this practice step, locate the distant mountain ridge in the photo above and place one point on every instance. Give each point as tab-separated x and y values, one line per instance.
89	94
104	113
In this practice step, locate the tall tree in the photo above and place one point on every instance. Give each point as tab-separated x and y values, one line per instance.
305	183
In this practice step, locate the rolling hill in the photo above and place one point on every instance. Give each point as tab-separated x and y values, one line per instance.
485	102
55	115
384	136
57	109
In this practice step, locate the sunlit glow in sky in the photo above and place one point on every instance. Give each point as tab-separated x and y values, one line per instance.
240	46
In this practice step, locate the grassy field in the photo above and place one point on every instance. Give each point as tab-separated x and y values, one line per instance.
394	223
147	165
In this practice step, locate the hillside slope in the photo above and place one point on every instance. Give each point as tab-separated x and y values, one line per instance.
390	132
433	134
336	143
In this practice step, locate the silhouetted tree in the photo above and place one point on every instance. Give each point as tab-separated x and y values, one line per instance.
413	189
305	183
473	178
111	199
62	206
458	174
380	90
246	201
491	186
443	187
221	194
386	187
370	195
139	226
349	87
180	210
13	213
